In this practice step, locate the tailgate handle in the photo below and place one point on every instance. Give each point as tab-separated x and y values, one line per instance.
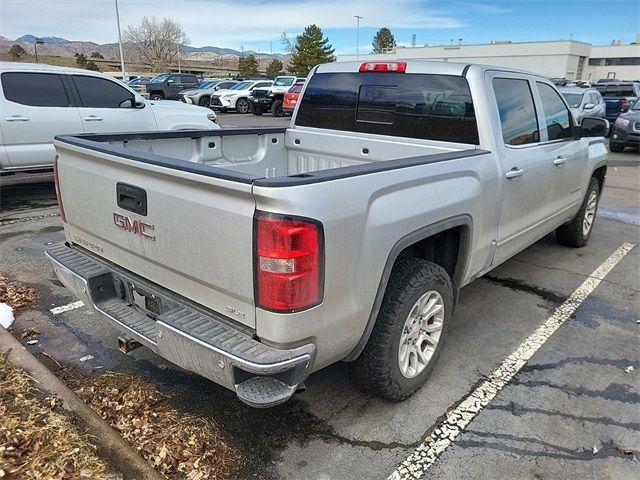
132	198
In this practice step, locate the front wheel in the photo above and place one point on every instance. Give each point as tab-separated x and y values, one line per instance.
408	335
257	111
276	108
243	106
615	147
578	230
204	102
156	96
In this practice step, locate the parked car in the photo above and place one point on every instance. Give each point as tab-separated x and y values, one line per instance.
166	86
237	97
584	102
618	96
291	98
40	101
344	237
202	95
626	130
272	98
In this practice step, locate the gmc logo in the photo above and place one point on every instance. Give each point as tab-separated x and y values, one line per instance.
138	227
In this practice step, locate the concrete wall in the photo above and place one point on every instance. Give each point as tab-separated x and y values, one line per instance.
553	58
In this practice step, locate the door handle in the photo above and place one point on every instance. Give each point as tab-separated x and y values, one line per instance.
558	162
17	118
515	172
93	118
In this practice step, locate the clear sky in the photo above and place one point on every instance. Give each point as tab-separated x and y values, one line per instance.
257	24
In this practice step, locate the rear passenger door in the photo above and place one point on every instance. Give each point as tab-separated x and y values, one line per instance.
526	169
101	107
36	107
563	151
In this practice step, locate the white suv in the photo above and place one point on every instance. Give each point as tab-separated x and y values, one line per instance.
237	96
40	101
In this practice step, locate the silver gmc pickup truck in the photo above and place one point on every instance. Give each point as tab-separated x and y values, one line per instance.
257	256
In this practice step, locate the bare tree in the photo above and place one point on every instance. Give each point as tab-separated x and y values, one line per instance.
288	44
156	42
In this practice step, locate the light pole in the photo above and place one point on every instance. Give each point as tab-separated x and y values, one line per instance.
124	77
38	41
358	18
179	67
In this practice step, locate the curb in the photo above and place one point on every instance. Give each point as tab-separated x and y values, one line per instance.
111	446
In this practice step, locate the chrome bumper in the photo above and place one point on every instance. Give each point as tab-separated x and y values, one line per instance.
184	333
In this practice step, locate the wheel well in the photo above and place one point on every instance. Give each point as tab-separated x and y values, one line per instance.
599	174
153	92
446	248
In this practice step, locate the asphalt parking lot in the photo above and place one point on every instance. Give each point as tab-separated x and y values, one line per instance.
572	411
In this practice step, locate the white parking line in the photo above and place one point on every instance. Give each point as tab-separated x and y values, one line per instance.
416	464
67	307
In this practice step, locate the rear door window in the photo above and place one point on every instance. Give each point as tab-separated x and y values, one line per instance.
100	93
517	111
556	113
35	89
430	107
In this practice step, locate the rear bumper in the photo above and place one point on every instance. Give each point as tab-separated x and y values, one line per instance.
195	339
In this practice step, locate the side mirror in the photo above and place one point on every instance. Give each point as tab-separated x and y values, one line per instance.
128	103
594	127
589	106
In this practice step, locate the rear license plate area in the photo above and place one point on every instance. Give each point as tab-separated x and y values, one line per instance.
145	301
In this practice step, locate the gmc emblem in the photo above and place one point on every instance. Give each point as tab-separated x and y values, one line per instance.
138	227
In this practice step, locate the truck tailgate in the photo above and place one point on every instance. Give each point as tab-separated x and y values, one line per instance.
195	238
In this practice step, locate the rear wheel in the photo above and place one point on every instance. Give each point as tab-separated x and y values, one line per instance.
204	102
408	336
276	108
578	230
243	106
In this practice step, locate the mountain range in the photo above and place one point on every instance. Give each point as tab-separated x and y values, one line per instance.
62	47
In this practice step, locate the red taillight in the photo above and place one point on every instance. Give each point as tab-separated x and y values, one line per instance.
395	67
57	186
288	263
624	105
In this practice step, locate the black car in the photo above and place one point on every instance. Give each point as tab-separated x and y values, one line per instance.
626	130
167	85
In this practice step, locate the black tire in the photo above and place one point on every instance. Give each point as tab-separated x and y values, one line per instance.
615	147
276	108
204	102
377	369
156	96
243	106
257	111
573	234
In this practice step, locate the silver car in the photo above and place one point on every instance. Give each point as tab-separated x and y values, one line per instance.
202	95
584	102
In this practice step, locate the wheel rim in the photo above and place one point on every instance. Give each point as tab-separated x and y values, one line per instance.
420	334
589	213
242	106
204	102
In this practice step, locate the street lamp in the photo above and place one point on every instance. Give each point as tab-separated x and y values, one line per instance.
124	78
37	41
358	18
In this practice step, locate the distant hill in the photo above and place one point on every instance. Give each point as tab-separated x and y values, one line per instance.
47	40
61	47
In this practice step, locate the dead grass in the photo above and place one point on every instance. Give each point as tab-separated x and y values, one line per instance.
38	441
16	294
180	446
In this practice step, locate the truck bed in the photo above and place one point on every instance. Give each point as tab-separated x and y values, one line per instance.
250	154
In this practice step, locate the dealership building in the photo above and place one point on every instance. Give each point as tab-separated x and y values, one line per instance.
556	58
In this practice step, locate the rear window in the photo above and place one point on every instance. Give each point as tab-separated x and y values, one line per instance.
429	107
35	89
616	90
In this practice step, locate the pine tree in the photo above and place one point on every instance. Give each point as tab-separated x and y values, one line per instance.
248	66
384	41
274	68
311	49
